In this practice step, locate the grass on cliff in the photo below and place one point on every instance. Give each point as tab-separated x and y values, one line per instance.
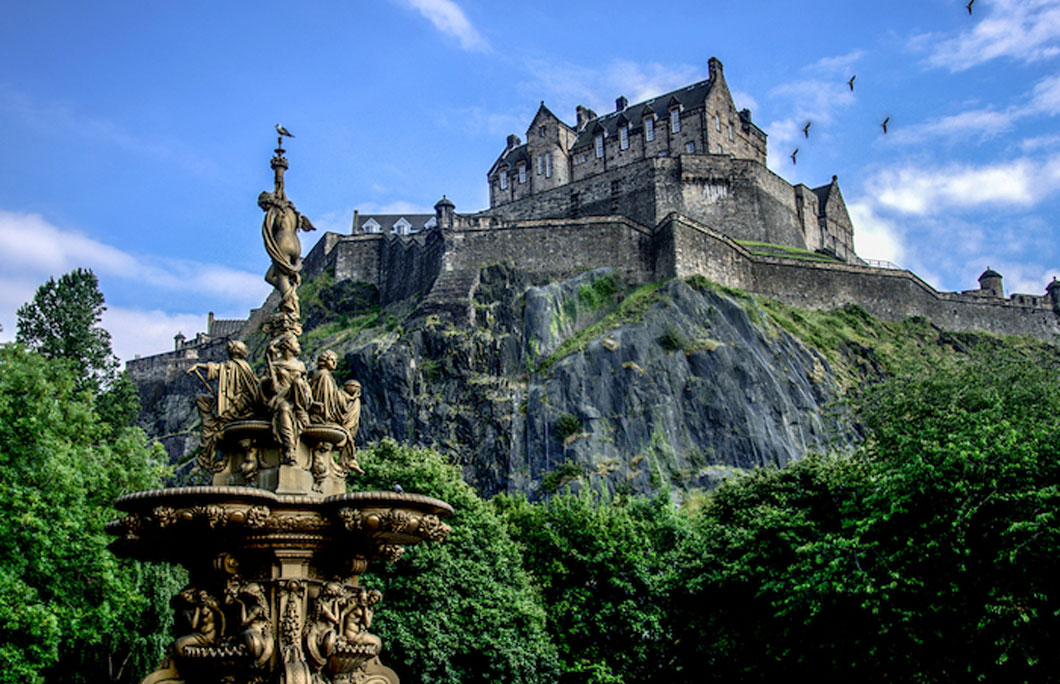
857	344
629	310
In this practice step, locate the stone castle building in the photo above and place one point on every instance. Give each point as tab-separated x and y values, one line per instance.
667	188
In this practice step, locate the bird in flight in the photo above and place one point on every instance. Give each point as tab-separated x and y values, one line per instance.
283	131
793	155
884	124
969	7
851	82
806	129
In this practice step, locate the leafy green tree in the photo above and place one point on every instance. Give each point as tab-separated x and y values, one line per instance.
461	611
69	609
62	323
928	555
606	571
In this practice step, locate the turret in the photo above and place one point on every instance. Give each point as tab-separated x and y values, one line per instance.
178	341
443	213
1053	290
990	284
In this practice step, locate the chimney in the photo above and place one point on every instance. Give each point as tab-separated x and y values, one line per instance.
714	67
209	323
584	115
353	228
513	141
621	103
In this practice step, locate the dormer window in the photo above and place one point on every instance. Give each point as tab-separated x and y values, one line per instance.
402	226
370	226
675	120
522	173
600	146
623	137
649	128
504	179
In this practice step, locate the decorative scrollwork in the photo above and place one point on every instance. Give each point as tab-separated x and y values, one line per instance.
352	518
395	520
390	552
433	529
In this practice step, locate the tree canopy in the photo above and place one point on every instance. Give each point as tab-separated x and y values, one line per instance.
68	607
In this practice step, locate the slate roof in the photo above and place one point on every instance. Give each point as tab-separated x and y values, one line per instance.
688	97
512	157
226	327
386	221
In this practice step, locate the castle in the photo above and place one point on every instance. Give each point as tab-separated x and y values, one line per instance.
667	188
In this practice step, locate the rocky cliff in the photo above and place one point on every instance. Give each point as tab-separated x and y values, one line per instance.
585	381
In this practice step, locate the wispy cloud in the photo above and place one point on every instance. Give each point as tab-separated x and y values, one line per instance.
876	237
449	18
570	84
921	190
36	250
1024	30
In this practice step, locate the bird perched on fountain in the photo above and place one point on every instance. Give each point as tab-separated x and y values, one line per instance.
398	488
283	131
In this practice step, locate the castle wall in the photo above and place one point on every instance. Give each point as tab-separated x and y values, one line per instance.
886	293
557	248
399	266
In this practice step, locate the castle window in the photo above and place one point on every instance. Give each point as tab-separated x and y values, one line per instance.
541	131
690	146
401	227
649	129
730	131
370	226
675	120
540	165
522	173
720	151
599	146
504	179
623	137
548	165
717	123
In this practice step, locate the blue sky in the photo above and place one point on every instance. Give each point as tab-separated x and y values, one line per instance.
137	135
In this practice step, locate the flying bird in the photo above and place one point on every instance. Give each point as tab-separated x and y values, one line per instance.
884	124
793	155
283	131
806	129
851	82
969	7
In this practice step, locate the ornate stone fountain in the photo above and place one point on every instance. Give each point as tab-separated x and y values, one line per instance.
275	547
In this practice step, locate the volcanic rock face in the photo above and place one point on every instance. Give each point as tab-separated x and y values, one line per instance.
588	382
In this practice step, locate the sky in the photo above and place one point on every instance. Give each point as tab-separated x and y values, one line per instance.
137	136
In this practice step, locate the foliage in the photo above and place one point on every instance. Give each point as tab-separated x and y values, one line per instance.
567	425
599	293
463	610
68	607
673	340
62	324
566	472
606	572
930	555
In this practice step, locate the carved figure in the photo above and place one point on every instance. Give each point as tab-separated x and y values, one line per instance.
321	466
206	621
358	604
324	626
280	233
328	400
351	420
289	396
254	621
237	396
251	463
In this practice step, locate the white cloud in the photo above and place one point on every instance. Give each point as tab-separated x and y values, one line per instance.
134	332
36	250
875	237
1046	96
571	84
448	18
923	191
1040	142
1025	30
398	207
839	65
743	100
982	123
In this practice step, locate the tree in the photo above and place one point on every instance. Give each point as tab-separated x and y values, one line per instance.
461	611
69	609
62	323
606	571
928	555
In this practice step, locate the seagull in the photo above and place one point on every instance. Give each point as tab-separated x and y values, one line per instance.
969	7
283	131
851	82
398	488
806	129
793	155
884	124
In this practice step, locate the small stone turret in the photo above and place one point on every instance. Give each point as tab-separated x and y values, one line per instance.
1053	290
443	213
990	284
178	341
